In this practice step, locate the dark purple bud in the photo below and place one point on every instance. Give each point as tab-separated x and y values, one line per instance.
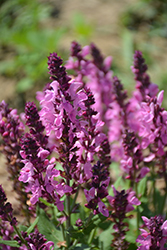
32	117
97	57
57	71
75	49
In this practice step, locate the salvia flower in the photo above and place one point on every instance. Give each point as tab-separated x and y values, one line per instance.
98	189
144	84
38	172
155	236
58	72
132	162
35	241
121	203
73	127
11	131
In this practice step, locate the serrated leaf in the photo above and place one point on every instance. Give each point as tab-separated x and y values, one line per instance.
11	243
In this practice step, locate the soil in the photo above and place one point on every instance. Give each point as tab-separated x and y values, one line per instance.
104	16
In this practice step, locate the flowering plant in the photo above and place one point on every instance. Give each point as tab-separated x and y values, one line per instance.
85	166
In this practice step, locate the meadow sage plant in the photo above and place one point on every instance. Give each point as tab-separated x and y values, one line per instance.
86	163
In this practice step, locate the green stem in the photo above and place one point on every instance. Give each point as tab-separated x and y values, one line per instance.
89	219
73	245
138	212
74	200
19	234
17	231
102	245
63	233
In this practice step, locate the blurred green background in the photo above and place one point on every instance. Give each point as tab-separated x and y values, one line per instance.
31	29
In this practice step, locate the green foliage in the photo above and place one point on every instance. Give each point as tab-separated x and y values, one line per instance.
11	243
151	14
27	35
143	26
47	228
81	28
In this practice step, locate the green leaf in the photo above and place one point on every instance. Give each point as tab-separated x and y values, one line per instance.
106	237
24	84
11	243
94	222
81	247
77	234
132	234
22	228
45	202
159	202
47	228
142	185
30	229
132	246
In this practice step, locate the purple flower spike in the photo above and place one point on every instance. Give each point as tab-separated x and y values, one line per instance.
121	203
98	191
32	117
156	235
35	241
97	57
57	71
144	84
75	50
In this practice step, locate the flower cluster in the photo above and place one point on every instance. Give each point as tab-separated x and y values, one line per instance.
85	124
71	125
11	130
156	236
34	241
38	171
99	184
121	203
